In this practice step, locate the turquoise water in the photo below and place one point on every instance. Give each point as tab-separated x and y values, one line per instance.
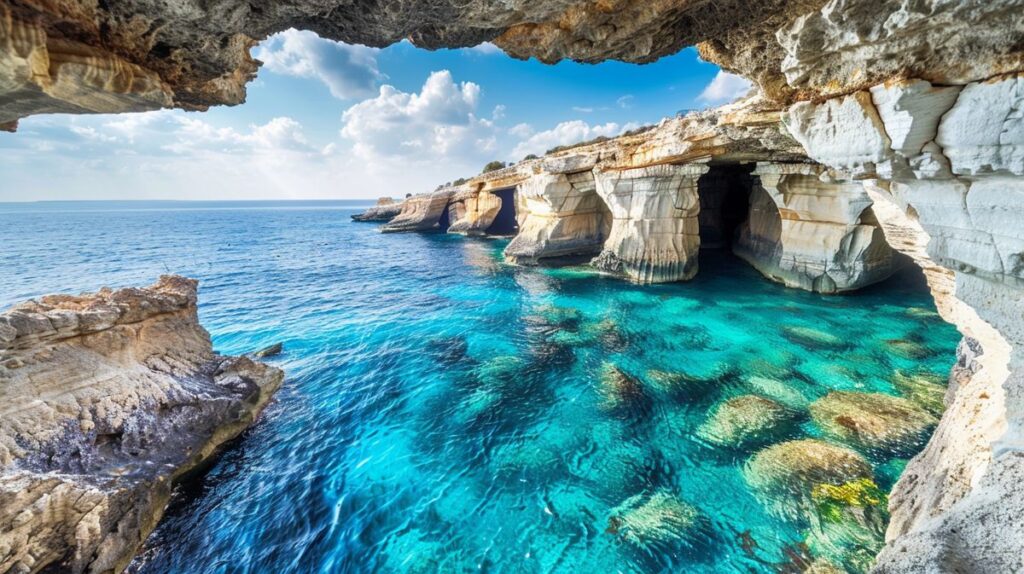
445	412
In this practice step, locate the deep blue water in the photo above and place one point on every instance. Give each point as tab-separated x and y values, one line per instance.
445	412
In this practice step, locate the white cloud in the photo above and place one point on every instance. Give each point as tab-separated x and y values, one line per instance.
583	110
725	87
485	49
439	122
521	131
564	133
349	71
278	135
625	102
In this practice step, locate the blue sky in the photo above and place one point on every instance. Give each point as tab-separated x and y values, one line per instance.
329	120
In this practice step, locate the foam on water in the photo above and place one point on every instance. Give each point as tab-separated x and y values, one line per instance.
446	412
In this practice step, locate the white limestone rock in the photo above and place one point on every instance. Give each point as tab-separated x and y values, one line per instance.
808	231
655	233
560	216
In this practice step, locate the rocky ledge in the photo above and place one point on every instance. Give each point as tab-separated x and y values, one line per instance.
384	211
105	401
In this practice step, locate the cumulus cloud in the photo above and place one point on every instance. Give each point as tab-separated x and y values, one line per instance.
348	71
278	135
565	133
439	122
725	87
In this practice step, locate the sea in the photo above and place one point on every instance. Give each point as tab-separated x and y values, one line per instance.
444	411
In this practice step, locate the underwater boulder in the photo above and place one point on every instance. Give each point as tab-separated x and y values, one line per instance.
780	391
621	392
812	338
848	525
798	466
746	420
908	349
497	372
448	350
690	387
873	420
657	522
613	469
927	391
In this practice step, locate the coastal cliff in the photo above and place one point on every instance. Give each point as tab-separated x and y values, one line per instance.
105	401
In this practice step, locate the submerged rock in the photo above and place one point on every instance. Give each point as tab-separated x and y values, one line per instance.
873	420
812	338
620	391
798	466
656	522
746	420
908	349
116	395
780	391
926	391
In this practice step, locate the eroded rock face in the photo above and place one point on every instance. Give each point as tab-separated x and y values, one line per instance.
385	210
561	216
425	212
655	234
945	174
472	212
808	230
105	400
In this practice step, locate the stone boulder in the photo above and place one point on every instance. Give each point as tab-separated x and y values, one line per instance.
746	420
873	421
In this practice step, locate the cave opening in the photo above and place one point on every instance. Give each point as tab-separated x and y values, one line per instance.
505	222
724	193
445	221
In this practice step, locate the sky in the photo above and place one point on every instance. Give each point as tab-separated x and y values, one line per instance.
326	120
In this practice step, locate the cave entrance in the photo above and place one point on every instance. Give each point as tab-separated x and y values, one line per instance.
445	221
724	193
505	222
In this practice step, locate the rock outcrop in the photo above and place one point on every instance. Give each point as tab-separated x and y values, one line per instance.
385	210
809	230
105	400
425	212
654	234
561	216
944	164
472	212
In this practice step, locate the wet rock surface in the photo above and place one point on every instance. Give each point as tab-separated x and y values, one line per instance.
106	399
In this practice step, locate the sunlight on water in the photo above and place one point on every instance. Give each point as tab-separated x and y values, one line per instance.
446	412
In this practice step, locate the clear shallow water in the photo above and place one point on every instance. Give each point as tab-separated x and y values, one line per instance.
446	412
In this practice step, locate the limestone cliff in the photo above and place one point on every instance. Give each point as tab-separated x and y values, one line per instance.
385	210
105	400
422	213
808	230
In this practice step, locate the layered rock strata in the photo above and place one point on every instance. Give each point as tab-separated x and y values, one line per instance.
562	216
106	400
654	234
472	212
809	230
385	210
945	164
425	212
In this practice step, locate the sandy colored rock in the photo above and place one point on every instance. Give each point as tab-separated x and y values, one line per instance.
873	420
115	395
745	420
800	465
